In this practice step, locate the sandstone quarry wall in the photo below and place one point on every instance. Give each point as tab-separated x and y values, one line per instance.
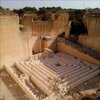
34	31
92	40
10	40
62	47
18	44
54	28
47	28
33	42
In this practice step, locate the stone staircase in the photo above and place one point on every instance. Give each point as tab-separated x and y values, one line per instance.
73	70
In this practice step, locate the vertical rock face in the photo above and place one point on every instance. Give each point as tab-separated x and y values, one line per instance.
31	41
59	25
92	40
16	45
10	40
46	28
36	29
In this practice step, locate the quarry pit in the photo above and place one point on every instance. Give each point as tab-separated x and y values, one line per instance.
41	60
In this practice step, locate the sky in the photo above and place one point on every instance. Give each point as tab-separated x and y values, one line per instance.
77	4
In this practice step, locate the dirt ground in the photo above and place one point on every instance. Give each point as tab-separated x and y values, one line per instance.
90	90
9	89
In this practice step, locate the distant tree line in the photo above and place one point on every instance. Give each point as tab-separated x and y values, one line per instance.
48	9
47	13
40	10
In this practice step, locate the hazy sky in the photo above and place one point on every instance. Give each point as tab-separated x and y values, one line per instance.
79	4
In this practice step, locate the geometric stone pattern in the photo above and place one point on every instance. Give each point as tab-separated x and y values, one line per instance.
73	70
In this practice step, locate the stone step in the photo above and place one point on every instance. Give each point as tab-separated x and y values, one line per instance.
70	58
36	79
21	68
45	68
40	85
22	86
83	79
70	72
39	69
78	76
39	77
75	74
68	69
34	69
58	69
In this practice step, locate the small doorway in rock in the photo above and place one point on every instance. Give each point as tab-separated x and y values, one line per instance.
33	52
